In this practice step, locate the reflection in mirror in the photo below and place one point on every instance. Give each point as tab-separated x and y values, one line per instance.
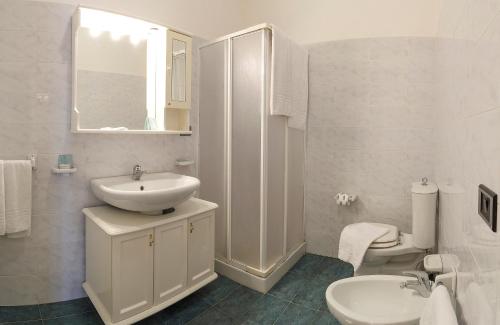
112	81
178	70
120	72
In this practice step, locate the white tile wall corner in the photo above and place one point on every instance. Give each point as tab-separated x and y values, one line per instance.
468	151
35	58
377	122
370	132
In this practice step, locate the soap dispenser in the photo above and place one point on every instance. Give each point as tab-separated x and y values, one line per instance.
444	268
441	263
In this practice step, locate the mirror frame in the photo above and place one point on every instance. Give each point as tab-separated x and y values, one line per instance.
75	114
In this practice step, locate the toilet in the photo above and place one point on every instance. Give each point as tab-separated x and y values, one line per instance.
398	251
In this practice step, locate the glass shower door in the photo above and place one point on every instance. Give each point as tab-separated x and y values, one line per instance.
213	146
247	66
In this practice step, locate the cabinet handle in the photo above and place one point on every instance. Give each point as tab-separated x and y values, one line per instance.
151	240
191	227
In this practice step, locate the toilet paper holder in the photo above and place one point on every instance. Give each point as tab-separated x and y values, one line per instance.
345	199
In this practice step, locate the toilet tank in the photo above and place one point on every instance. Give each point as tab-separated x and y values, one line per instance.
451	215
423	201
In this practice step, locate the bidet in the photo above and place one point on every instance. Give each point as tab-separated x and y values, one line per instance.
422	284
374	300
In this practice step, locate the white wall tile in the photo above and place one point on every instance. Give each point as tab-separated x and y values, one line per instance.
467	151
452	12
371	120
475	19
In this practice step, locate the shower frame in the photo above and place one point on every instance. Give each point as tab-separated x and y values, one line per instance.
226	262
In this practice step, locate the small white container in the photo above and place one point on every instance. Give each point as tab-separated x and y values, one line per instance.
424	199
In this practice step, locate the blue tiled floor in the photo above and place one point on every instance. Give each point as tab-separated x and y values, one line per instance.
299	298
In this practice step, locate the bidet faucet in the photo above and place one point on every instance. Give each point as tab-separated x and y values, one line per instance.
137	173
422	284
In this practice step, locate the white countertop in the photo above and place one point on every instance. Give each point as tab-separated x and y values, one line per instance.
114	221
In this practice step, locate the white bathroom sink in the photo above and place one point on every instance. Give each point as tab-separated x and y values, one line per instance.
374	300
152	194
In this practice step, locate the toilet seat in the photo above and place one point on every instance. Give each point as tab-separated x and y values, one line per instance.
404	246
390	239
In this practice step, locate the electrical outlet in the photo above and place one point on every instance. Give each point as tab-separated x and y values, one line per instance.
487	206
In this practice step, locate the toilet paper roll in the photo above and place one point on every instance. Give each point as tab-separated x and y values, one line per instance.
345	199
342	199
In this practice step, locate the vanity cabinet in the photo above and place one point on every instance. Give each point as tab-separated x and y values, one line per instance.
136	265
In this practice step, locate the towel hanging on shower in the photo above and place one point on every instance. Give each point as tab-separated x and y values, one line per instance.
289	80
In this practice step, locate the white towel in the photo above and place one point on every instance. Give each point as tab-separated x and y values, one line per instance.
355	239
2	201
289	80
438	309
17	198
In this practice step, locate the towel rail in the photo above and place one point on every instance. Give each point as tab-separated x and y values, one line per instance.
32	158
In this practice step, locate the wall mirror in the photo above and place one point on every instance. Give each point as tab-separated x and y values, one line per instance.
125	70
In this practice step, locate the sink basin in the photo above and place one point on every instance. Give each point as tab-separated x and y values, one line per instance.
374	300
152	194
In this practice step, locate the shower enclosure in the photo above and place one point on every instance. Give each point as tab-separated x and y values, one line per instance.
251	163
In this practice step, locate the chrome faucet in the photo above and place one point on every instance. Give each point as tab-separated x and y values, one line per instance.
137	173
422	284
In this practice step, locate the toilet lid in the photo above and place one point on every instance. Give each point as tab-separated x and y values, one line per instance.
390	239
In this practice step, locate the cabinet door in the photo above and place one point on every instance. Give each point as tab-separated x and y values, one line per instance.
200	248
132	273
179	61
170	260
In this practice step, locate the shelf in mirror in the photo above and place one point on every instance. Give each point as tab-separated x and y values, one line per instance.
146	132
